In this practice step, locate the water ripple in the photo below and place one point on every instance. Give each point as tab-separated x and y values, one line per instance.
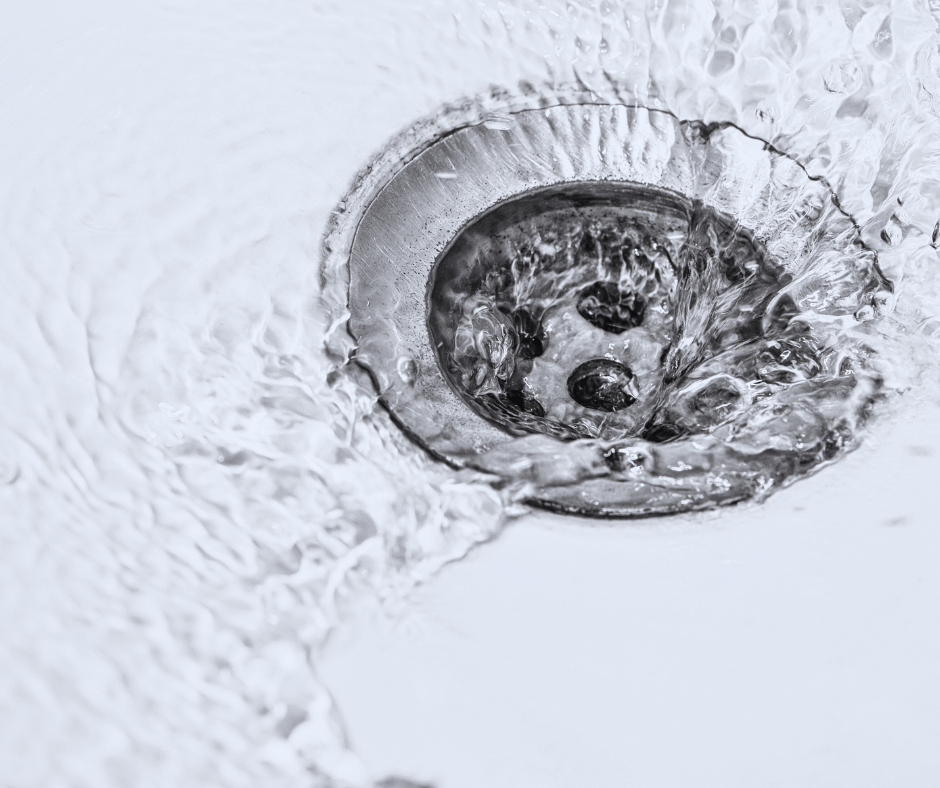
188	500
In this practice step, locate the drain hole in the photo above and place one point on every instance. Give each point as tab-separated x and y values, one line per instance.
611	308
530	334
525	402
661	433
579	311
602	384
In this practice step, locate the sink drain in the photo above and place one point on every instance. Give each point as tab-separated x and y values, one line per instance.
631	314
568	311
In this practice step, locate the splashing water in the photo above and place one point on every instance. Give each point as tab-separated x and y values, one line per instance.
189	492
636	317
694	291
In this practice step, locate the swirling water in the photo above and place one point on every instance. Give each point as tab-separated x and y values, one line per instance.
657	321
189	496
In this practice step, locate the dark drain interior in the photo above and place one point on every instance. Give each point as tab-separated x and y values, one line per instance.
612	311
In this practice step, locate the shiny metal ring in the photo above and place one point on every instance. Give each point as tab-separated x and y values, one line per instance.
414	219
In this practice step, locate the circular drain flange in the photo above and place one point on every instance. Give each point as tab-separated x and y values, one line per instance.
631	314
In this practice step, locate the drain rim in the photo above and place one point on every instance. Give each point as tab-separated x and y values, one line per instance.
415	241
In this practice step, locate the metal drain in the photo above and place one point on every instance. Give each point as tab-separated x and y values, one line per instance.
565	311
631	314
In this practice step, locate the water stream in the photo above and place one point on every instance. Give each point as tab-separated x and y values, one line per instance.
192	490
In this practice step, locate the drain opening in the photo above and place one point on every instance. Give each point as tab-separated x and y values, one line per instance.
621	312
611	306
575	311
603	384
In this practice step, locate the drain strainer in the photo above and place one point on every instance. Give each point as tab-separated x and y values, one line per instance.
629	313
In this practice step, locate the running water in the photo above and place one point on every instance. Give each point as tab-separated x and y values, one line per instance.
636	318
191	489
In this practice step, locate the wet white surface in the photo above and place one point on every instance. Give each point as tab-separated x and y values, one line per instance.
187	507
789	644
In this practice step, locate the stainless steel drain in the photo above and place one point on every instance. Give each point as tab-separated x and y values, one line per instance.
630	314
